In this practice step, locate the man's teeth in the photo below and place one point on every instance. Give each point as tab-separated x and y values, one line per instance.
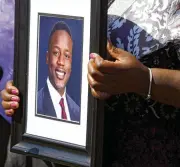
60	73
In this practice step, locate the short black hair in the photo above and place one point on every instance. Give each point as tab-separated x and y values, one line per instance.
61	25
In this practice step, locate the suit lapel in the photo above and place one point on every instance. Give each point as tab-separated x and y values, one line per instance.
48	104
70	107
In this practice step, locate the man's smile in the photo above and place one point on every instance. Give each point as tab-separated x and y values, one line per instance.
60	74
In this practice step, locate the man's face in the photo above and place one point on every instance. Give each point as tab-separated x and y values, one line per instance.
59	59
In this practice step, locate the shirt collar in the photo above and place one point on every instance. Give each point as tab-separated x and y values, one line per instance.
53	91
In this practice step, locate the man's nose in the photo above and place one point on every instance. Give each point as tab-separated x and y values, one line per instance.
60	60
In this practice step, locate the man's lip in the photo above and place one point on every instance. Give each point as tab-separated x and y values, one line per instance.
60	70
60	74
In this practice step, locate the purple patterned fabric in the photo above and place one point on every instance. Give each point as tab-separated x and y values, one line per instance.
6	44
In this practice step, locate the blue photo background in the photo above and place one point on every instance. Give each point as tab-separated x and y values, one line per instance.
76	25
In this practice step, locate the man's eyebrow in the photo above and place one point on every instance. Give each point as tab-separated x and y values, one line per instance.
66	50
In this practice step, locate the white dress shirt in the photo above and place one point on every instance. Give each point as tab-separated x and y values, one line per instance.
56	97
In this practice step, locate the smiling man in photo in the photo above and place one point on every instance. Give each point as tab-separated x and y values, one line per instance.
53	100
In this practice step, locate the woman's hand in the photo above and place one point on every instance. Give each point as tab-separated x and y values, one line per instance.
125	74
10	98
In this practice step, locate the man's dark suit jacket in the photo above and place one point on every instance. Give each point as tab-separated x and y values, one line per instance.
45	105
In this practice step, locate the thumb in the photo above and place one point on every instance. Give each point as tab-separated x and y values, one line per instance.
115	53
9	83
10	88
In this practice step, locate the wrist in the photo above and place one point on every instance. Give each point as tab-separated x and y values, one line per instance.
143	81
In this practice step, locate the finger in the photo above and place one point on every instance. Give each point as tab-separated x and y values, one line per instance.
9	105
92	70
104	66
9	112
107	67
100	95
115	52
11	89
93	83
101	78
6	96
93	55
103	95
98	86
97	59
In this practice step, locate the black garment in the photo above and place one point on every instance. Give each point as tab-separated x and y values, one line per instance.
137	136
4	136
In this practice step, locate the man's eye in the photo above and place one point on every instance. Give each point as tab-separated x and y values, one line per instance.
67	56
55	53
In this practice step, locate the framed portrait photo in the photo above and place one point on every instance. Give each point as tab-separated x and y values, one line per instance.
58	119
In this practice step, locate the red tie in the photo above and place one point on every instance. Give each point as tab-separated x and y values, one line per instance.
63	113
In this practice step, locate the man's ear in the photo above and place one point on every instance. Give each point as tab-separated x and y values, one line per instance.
47	57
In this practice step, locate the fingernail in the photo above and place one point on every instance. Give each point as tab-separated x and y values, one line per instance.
9	112
13	105
105	94
14	91
92	56
15	99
